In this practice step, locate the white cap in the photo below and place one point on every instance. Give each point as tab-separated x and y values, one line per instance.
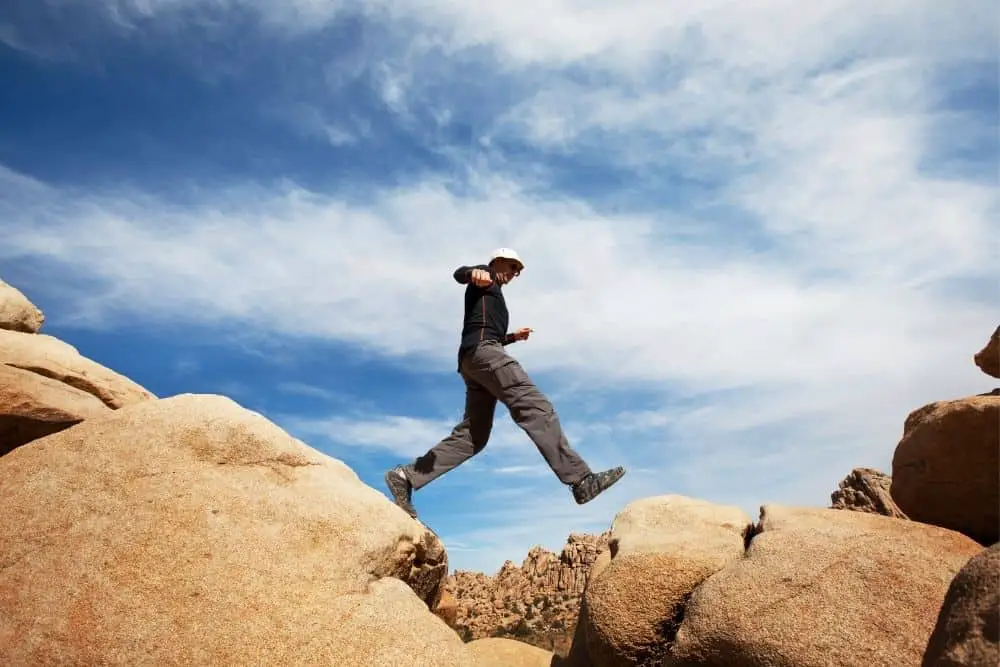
506	253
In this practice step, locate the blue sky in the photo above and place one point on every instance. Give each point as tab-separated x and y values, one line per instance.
757	234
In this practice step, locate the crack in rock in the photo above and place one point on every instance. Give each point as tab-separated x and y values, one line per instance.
74	381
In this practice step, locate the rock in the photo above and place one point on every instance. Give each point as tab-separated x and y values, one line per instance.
447	609
189	530
536	602
52	358
988	358
866	490
385	625
661	549
498	652
578	654
17	313
968	626
823	587
33	406
944	470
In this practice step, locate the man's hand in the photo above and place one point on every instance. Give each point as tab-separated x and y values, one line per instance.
480	278
523	333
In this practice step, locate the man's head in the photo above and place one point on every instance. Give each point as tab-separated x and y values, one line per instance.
506	264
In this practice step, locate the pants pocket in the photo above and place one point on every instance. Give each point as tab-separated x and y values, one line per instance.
510	375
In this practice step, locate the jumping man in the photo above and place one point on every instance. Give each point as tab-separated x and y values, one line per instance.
491	375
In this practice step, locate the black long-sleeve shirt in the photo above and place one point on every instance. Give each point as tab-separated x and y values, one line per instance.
486	316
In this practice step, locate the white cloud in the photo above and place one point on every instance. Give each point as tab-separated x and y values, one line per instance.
406	436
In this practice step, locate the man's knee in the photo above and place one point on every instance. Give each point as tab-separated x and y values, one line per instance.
529	404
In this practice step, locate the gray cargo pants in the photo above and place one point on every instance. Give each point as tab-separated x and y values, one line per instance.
490	375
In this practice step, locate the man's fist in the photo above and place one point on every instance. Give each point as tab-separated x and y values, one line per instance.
480	278
522	334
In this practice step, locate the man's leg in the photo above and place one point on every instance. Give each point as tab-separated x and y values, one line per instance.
466	439
531	410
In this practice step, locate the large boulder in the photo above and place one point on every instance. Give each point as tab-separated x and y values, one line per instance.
968	627
192	531
500	652
944	470
823	587
33	406
52	358
866	490
988	358
17	313
661	549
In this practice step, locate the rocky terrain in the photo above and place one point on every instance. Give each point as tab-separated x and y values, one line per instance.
536	602
189	530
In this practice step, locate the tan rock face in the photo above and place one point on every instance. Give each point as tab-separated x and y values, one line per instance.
499	652
662	548
866	490
215	537
968	626
988	358
823	587
17	313
33	406
54	359
536	602
447	608
944	470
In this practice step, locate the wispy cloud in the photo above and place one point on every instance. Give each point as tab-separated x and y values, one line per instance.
310	390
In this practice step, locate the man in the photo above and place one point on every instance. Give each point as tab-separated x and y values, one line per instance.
491	375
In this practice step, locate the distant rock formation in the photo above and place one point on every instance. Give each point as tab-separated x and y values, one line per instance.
536	603
866	490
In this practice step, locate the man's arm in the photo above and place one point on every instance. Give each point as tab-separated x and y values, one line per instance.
463	273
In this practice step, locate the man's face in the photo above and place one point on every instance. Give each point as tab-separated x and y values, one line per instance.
506	270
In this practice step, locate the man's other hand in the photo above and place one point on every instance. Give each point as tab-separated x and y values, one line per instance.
523	333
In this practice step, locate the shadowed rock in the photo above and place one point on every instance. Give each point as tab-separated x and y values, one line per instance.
968	627
988	358
944	470
33	406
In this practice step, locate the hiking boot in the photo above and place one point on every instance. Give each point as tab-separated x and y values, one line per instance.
401	490
595	483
